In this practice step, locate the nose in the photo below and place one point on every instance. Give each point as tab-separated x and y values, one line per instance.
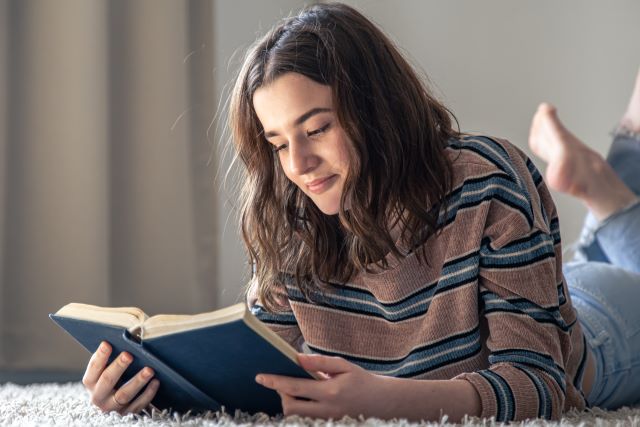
301	158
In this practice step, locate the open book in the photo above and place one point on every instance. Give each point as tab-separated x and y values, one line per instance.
203	361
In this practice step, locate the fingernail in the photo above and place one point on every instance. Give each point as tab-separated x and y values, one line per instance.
259	379
155	383
104	347
147	373
126	358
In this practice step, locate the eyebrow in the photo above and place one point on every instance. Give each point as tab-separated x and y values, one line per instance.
303	118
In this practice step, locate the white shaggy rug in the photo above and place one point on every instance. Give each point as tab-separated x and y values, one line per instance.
68	405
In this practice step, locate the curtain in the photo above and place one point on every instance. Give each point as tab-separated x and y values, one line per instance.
106	170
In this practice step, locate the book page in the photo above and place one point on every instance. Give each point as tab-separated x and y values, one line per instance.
165	324
126	317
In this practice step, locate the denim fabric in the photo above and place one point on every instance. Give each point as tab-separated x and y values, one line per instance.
604	284
606	298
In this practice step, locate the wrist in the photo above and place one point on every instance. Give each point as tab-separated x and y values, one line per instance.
426	400
387	404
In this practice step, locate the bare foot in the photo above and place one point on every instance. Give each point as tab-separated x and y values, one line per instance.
574	168
569	162
631	118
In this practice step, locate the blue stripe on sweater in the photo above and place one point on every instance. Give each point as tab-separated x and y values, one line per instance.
490	150
455	273
279	318
420	360
494	186
533	359
494	303
544	394
373	308
535	173
504	395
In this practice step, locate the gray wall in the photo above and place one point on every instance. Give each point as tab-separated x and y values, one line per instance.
237	24
492	62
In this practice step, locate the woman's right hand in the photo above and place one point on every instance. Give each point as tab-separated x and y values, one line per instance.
101	379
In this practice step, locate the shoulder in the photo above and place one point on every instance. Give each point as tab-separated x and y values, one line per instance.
495	174
491	154
488	165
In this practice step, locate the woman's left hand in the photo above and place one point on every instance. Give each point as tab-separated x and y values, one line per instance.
346	389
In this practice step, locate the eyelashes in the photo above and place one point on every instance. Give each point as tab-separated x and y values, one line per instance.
319	131
278	148
310	134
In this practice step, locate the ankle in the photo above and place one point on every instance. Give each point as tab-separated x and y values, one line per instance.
594	183
617	203
605	193
631	119
629	124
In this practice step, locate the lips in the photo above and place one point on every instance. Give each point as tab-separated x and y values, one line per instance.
320	184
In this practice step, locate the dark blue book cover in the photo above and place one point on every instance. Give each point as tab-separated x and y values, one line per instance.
199	366
175	392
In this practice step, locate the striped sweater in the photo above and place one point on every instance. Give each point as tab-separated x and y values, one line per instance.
491	308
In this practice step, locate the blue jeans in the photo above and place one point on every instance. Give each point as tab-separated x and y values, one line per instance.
604	284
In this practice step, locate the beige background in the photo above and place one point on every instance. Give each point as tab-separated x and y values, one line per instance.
107	195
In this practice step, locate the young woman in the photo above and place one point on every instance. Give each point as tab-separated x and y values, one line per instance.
417	268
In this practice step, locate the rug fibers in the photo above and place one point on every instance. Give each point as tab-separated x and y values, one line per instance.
68	405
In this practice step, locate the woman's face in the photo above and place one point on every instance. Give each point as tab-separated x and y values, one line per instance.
299	121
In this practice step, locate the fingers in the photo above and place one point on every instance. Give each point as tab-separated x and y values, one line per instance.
296	387
109	377
96	365
125	394
101	379
305	408
145	398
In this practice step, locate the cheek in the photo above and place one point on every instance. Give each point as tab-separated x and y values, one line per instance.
344	155
345	160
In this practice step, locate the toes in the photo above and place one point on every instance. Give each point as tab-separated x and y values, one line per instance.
546	108
549	112
550	117
539	131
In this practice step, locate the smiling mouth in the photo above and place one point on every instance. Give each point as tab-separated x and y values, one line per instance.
319	187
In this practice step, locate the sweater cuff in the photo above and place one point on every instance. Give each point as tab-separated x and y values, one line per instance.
485	391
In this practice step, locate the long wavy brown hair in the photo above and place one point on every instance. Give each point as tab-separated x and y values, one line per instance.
398	174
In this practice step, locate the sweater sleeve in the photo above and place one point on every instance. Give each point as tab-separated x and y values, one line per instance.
283	322
520	285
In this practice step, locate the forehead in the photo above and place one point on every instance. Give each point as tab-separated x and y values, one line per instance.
282	101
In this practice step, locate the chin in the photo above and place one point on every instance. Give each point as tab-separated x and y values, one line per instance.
329	211
329	208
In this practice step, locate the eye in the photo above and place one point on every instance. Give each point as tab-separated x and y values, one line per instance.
279	147
319	131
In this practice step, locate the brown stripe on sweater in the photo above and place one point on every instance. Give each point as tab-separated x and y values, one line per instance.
461	234
518	331
367	336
